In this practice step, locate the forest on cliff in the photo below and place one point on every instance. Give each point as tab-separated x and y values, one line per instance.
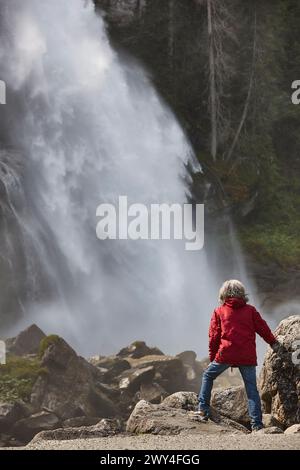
226	69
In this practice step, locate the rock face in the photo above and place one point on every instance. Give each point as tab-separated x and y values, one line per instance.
165	420
232	403
69	388
121	11
27	342
279	379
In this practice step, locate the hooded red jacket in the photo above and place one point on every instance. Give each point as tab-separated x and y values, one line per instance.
232	333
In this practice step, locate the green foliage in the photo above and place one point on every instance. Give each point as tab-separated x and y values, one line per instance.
18	376
270	243
265	162
46	342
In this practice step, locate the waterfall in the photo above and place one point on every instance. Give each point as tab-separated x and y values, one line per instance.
83	126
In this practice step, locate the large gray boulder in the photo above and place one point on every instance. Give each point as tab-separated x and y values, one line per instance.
182	400
71	387
232	403
163	419
279	379
169	371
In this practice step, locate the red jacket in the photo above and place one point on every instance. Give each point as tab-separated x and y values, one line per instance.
232	333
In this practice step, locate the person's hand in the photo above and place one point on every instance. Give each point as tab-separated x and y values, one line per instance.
276	347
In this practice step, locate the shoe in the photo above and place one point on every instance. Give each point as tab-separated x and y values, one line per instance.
257	428
199	415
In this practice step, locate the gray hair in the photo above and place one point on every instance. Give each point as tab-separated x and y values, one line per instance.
232	288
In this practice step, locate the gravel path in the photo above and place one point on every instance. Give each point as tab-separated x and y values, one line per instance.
181	442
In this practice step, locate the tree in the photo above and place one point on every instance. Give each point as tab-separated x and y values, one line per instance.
220	31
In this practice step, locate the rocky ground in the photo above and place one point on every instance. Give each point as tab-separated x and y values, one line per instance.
139	398
181	442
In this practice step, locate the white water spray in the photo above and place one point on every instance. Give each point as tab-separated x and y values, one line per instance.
91	128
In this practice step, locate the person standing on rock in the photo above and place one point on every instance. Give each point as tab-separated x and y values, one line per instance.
232	331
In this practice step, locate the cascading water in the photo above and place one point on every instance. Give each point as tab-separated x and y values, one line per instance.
89	128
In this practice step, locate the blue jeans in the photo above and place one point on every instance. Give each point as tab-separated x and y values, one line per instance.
249	377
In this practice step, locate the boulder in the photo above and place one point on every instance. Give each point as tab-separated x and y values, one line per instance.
105	427
187	357
295	429
111	366
279	379
182	400
132	379
26	428
139	349
71	386
147	418
151	392
27	342
232	403
169	371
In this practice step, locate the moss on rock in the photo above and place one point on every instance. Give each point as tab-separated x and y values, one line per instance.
46	342
18	376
